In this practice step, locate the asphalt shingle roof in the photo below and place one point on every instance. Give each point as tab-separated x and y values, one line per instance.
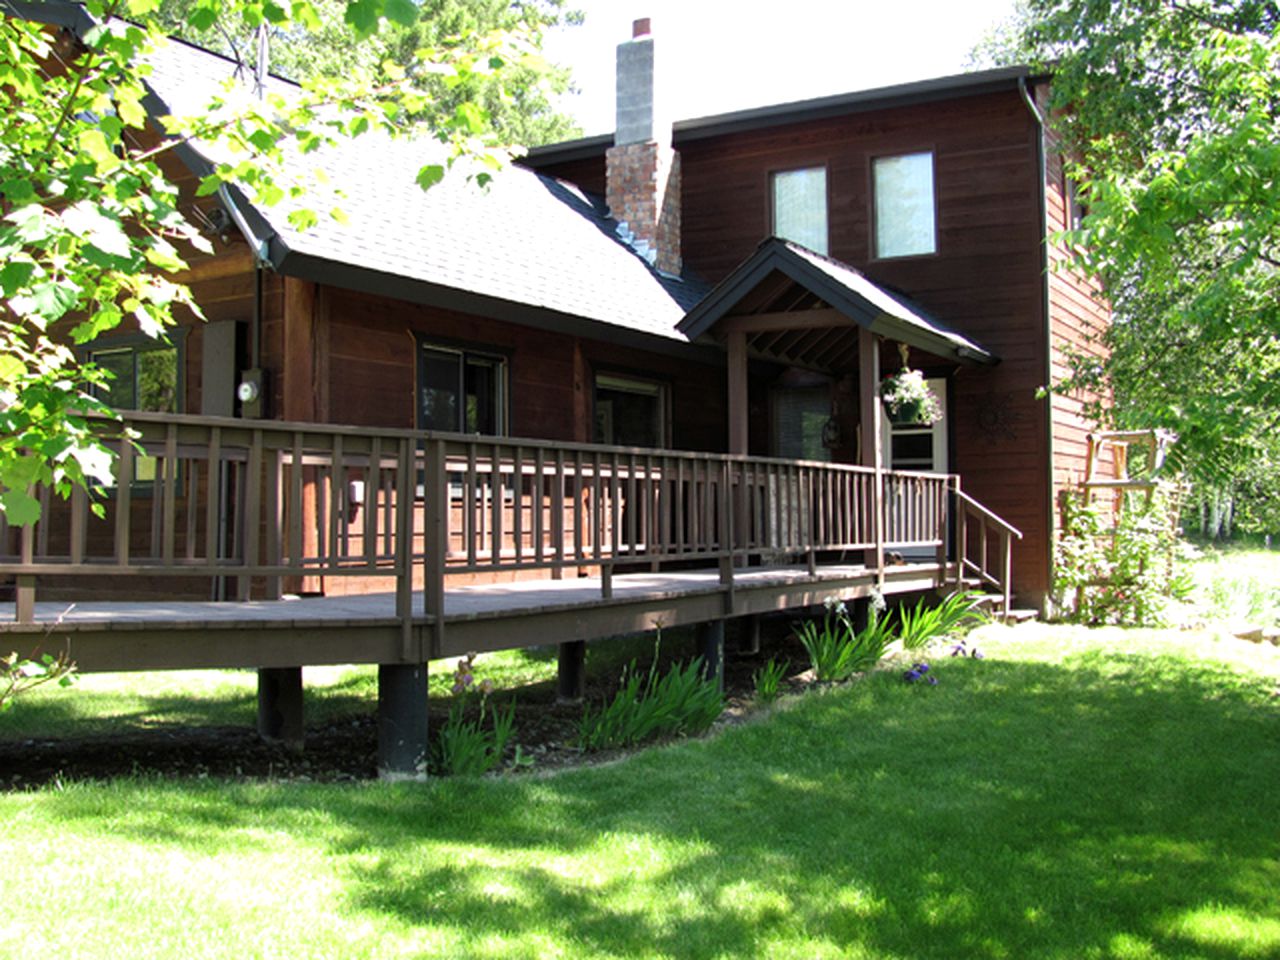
526	238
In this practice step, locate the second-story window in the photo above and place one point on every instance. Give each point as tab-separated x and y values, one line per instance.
904	208
800	207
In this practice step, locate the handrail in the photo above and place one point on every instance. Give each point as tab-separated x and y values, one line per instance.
266	507
996	518
999	575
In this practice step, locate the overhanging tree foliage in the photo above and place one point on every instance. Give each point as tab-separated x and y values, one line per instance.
91	234
1170	114
519	106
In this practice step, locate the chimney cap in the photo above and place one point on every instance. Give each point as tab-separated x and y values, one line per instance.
641	28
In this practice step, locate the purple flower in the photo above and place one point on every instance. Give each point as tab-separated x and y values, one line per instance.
958	650
978	654
911	676
933	681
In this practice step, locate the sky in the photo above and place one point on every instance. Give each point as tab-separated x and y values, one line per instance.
723	55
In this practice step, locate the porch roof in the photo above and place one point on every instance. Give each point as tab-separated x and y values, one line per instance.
805	309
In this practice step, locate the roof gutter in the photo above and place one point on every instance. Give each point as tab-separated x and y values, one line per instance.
260	246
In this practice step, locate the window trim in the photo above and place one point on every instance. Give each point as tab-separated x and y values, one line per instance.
464	349
175	338
873	220
771	212
640	379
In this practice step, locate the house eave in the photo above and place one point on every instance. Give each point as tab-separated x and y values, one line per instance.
358	279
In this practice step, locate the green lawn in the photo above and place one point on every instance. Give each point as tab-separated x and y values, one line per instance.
1074	795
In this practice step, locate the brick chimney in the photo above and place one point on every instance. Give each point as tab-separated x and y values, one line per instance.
642	170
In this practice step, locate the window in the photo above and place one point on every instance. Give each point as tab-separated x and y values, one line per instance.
630	412
800	207
904	210
460	391
143	376
1073	209
799	416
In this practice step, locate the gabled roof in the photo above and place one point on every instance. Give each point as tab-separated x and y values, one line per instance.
526	240
530	249
784	277
801	111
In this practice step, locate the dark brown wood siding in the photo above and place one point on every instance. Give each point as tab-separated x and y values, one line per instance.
985	279
1078	315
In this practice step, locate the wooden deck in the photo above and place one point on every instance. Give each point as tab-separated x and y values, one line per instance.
430	545
125	635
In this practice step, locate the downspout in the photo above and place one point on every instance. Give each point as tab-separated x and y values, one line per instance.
261	259
1042	165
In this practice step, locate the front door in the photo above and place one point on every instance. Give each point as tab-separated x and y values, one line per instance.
920	447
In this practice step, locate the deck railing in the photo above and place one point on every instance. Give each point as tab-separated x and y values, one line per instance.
261	508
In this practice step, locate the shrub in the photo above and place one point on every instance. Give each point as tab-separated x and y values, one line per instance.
768	680
836	651
18	675
681	702
919	624
465	747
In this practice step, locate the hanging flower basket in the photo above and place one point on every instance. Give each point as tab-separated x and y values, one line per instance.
908	400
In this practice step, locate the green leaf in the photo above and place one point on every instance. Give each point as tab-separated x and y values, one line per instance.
96	228
30	223
403	12
15	275
20	508
429	176
362	16
302	220
304	14
94	143
11	369
53	299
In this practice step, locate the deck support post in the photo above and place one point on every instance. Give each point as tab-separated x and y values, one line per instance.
280	717
571	676
860	613
402	721
711	647
748	636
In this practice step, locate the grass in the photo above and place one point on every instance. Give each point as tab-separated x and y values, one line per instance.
1238	586
106	703
1077	794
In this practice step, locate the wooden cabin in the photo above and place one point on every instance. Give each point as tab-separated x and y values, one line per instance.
633	382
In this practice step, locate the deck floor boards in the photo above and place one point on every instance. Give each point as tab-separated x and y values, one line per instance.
106	635
463	602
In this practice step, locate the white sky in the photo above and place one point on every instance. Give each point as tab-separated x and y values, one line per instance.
722	55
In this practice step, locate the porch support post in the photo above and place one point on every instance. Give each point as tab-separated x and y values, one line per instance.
737	375
870	454
280	717
571	685
402	721
711	647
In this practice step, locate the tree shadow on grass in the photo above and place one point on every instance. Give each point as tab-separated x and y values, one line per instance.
1114	806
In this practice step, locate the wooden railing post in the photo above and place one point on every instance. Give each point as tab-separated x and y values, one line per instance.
403	554
26	585
725	533
962	535
435	534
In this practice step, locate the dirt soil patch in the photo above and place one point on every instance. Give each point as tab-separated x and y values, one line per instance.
340	750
